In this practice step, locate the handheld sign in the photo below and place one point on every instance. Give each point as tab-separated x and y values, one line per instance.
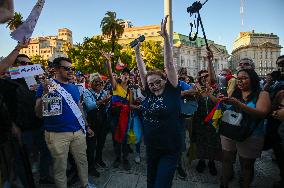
25	30
25	71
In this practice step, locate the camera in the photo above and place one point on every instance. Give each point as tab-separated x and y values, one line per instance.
135	42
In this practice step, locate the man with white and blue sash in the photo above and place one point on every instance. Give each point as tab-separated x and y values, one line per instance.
58	102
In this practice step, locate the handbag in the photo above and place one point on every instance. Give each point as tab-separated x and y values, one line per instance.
237	124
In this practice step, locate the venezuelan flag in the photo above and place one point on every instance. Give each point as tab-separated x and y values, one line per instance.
14	70
215	115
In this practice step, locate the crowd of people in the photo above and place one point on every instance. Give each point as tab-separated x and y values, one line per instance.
63	121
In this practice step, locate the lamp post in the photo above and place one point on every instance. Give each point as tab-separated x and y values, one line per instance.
168	11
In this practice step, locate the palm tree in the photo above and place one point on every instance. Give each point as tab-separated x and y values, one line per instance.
15	22
112	28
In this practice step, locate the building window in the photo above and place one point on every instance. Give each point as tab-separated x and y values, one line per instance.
132	35
152	33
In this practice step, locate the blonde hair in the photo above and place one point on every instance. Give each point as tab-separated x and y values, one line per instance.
94	76
156	72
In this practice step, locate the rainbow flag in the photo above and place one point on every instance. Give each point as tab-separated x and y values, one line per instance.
215	115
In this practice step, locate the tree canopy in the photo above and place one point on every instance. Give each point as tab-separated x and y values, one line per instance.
87	58
15	22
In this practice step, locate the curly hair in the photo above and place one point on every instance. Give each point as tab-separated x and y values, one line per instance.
156	72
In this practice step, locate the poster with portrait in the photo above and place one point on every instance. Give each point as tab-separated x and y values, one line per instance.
51	105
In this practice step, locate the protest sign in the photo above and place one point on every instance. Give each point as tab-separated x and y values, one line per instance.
25	71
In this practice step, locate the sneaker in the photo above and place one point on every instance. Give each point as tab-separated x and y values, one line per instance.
94	172
126	165
46	181
181	173
212	168
116	163
138	159
200	166
101	163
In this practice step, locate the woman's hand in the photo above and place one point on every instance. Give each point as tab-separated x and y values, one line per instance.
232	100
106	55
137	47
90	132
163	31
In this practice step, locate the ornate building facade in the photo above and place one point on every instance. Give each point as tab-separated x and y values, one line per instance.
262	48
188	54
49	47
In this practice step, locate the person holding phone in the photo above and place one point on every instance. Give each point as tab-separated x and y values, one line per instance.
161	117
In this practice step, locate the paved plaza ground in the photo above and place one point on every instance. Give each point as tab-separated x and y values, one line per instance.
266	172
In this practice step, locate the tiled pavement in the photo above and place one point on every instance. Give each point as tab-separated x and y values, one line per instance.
266	173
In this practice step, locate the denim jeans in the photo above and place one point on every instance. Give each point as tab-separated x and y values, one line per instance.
161	167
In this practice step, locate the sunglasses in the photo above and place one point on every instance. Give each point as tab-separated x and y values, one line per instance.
68	69
24	63
244	64
155	83
98	83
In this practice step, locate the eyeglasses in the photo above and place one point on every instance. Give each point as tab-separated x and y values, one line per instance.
244	64
242	78
68	69
155	83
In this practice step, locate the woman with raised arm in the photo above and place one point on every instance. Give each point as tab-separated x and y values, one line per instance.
161	117
120	108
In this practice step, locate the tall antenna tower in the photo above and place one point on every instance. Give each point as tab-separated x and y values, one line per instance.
242	12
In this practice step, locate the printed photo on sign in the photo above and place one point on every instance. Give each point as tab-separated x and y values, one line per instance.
52	106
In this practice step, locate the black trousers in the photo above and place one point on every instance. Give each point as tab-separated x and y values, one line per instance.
97	120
